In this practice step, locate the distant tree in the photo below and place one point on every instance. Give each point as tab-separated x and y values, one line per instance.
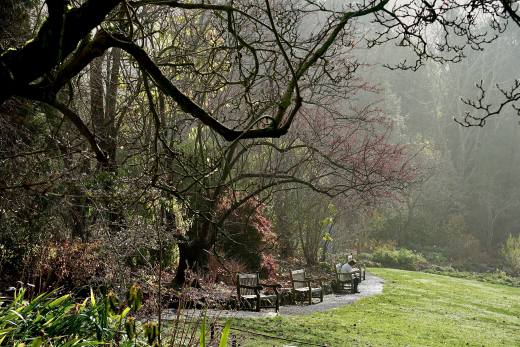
444	32
472	170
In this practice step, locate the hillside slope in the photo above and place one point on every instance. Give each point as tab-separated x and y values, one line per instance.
415	309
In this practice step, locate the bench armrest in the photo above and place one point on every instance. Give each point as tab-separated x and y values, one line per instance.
345	276
259	287
274	285
298	281
317	280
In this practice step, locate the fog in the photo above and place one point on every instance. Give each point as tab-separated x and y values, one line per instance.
466	202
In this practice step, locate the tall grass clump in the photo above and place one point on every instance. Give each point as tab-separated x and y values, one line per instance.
51	319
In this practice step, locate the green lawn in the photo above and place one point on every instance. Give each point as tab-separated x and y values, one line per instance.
416	309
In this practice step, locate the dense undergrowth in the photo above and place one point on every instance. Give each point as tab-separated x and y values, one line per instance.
50	319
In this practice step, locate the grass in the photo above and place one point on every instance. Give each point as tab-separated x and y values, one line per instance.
415	309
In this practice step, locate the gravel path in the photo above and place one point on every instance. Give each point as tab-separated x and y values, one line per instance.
371	286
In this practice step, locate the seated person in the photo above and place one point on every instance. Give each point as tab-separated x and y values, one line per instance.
348	268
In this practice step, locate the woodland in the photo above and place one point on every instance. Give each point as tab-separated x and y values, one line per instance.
168	144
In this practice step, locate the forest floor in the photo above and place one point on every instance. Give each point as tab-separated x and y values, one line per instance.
415	309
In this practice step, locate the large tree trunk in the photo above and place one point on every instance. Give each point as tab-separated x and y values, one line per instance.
103	118
193	254
110	126
103	109
192	258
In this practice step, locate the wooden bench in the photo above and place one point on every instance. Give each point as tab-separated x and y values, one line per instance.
343	279
250	293
302	287
362	271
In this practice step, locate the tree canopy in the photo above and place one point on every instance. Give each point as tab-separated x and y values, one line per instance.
163	115
68	35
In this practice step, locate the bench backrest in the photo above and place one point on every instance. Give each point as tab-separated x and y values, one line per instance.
247	280
342	276
298	278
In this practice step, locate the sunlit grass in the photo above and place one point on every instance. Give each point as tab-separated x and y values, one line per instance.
416	309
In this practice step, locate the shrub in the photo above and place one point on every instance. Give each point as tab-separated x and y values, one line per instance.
268	266
224	270
511	253
6	255
399	258
52	320
58	320
153	255
67	264
249	237
435	257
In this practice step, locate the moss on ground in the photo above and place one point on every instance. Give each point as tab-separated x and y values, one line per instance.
415	309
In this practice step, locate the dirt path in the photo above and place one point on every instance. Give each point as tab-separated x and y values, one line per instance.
371	286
